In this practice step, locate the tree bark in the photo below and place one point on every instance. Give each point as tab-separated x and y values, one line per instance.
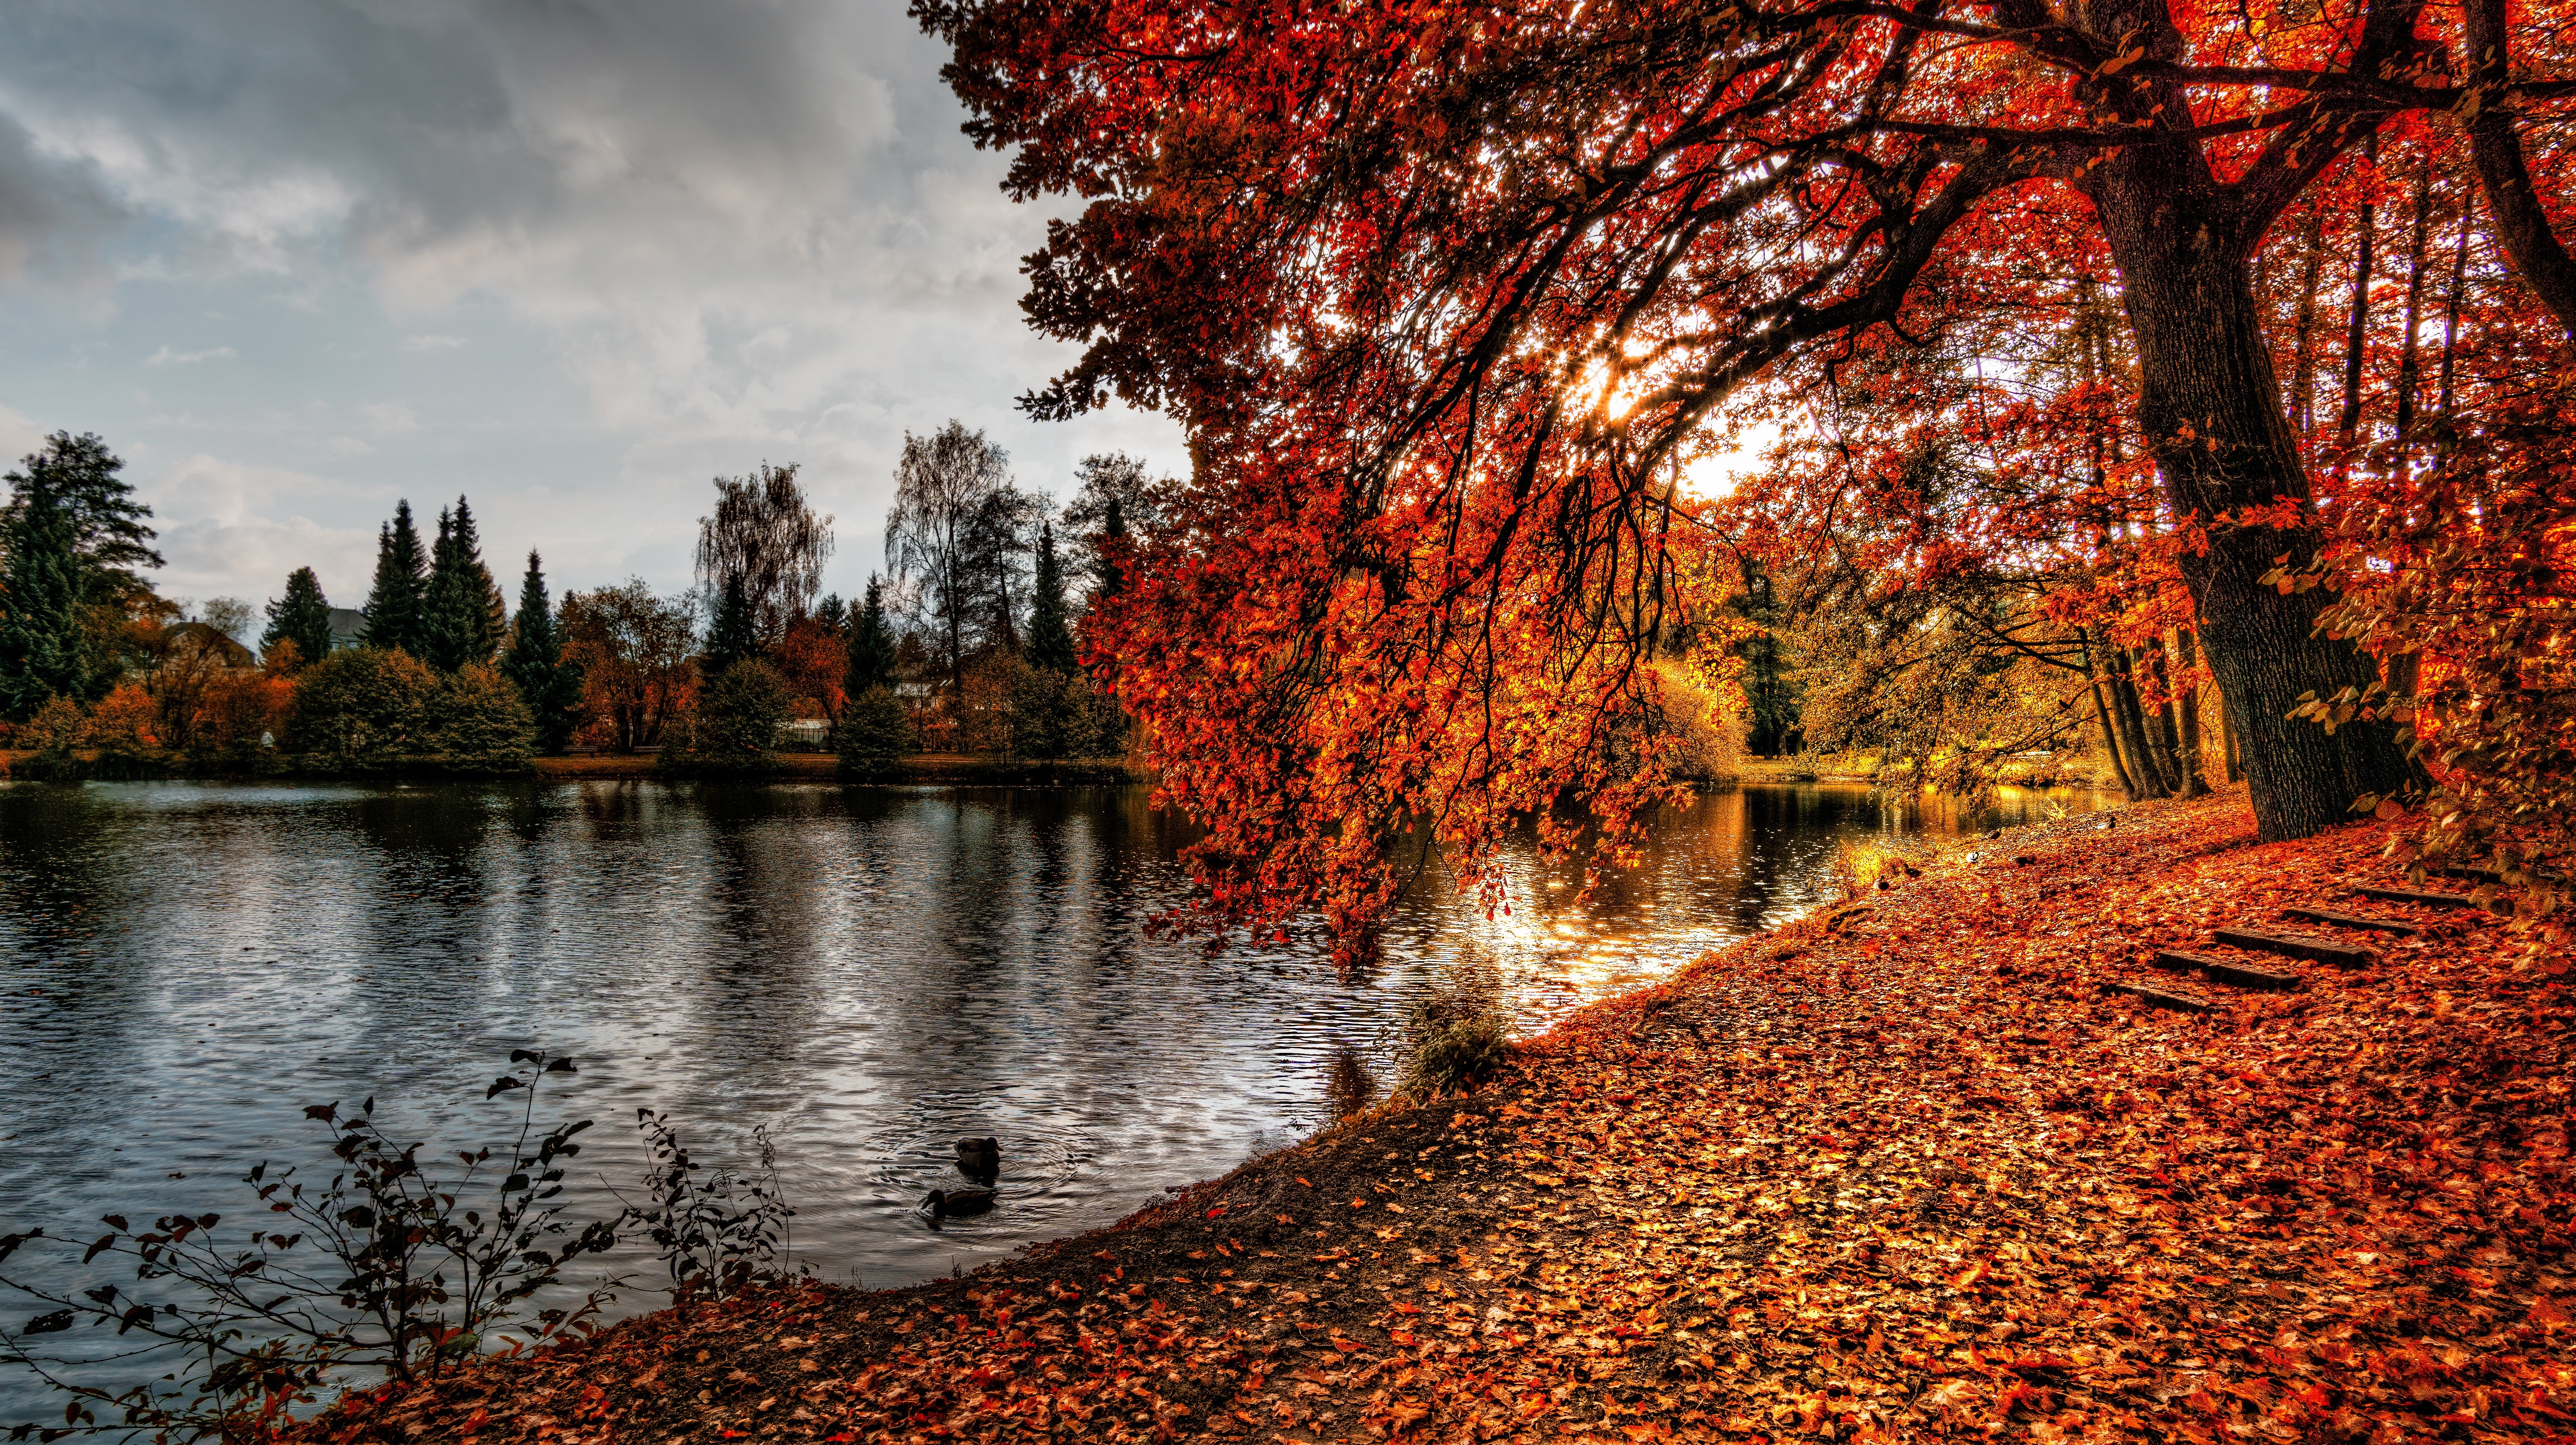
2161	736
2133	728
2410	366
2356	334
2210	404
2102	713
2495	143
2194	781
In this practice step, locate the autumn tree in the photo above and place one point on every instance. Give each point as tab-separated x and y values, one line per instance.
397	599
633	648
1440	293
764	543
302	617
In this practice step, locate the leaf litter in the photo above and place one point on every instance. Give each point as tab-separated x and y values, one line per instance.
1900	1169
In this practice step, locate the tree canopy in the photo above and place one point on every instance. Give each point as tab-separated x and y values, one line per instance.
1447	297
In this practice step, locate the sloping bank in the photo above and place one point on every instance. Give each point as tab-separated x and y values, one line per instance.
1900	1170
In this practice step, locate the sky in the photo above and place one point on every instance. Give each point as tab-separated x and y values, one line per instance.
298	259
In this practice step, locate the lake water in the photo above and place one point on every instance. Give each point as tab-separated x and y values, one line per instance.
871	973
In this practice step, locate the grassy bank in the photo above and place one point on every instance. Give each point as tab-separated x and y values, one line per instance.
1907	1167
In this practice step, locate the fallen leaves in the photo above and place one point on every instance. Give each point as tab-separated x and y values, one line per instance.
1793	1193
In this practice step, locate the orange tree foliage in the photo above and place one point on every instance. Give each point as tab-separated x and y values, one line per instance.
1444	292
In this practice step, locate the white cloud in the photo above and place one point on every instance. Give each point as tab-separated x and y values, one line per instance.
167	357
231	526
663	240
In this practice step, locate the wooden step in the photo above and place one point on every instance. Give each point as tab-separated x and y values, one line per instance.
2297	945
2228	971
2418	895
2351	920
2157	998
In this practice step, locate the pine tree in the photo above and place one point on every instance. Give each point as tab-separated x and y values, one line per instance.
734	635
1050	639
871	644
302	616
44	649
461	616
1113	529
401	587
71	539
550	685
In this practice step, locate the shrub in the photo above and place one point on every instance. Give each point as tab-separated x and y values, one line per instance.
363	704
127	720
399	1264
875	730
1456	1033
732	726
56	728
479	720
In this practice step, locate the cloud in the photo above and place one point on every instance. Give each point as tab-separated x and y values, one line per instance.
603	250
233	526
167	357
55	211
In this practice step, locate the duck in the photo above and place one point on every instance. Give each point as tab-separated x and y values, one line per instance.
949	1204
981	1158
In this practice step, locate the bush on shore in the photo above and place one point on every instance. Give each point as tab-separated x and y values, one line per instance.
731	727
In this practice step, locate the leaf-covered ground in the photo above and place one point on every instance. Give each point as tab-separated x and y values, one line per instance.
1901	1170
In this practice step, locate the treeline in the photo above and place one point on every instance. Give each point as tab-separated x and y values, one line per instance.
966	641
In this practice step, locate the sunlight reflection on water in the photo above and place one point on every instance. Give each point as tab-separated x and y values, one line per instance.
871	972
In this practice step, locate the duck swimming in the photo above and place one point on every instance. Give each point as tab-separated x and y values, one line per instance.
949	1204
981	1158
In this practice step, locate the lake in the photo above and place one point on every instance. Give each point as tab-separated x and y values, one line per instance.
871	973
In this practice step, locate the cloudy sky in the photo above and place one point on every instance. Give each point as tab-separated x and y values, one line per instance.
296	259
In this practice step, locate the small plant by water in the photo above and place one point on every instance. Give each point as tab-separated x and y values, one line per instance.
394	1265
718	1231
1454	1034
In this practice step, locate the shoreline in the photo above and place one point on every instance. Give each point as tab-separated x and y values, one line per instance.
915	768
1930	1160
609	767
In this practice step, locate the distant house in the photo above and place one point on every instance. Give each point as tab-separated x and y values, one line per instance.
232	653
348	627
804	735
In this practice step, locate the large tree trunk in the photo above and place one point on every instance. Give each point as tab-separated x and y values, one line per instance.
2210	404
2133	729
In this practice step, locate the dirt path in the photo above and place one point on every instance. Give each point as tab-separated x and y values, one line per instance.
1901	1170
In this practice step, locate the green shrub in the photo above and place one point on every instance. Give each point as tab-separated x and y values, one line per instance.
874	732
733	725
363	704
479	721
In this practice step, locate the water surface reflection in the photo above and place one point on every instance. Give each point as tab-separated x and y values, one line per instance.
870	972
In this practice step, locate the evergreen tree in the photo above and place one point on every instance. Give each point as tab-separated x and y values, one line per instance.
71	539
44	649
1113	529
833	613
550	685
1050	639
401	587
302	616
872	644
734	635
461	613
